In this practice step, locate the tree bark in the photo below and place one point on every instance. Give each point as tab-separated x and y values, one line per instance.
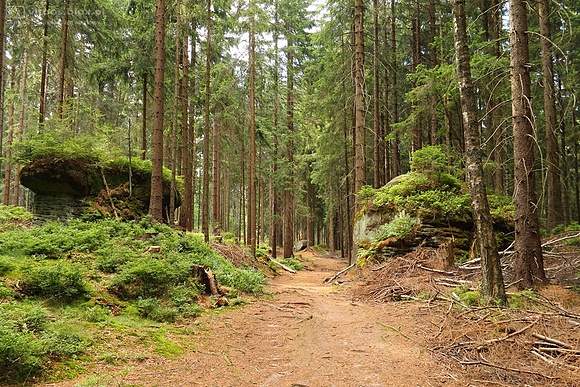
156	201
252	155
9	138
44	65
394	97
492	285
2	72
206	131
173	134
63	50
216	176
20	131
555	212
376	100
144	119
529	264
288	191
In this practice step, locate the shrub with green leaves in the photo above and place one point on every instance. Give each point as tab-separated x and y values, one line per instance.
59	281
29	340
400	227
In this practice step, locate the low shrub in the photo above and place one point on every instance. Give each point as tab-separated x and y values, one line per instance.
60	281
400	227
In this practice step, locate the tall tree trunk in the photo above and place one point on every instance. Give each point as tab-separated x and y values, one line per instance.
273	188
2	73
216	176
288	191
394	97
376	100
529	263
206	131
555	211
433	119
186	206
173	134
252	155
144	119
44	64
497	114
63	53
9	139
156	200
20	131
492	280
359	99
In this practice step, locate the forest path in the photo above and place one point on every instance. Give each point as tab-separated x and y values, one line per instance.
307	334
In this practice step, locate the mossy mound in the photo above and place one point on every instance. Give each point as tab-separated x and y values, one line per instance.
427	207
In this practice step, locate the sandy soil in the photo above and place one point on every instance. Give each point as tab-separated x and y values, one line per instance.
307	334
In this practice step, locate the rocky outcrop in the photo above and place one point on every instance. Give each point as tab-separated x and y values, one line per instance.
84	187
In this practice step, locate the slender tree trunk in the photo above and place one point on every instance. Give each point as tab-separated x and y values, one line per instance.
2	73
359	99
433	119
206	131
376	100
216	176
156	200
492	280
555	211
273	188
44	65
9	139
252	155
186	208
63	53
144	119
497	115
20	131
394	97
529	264
288	191
174	123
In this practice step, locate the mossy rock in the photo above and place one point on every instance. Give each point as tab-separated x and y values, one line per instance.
87	187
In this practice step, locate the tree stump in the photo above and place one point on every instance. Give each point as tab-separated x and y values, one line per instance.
207	278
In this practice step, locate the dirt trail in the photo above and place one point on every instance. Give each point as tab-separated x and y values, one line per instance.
307	334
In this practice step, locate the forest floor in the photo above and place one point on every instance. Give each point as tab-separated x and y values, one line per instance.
346	333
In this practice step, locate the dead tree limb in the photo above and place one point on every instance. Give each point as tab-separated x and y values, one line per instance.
287	268
339	273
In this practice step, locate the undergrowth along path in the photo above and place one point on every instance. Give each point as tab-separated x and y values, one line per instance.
306	334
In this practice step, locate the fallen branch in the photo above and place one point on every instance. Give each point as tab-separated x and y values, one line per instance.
287	268
560	239
395	330
435	270
552	341
552	361
339	273
514	333
487	363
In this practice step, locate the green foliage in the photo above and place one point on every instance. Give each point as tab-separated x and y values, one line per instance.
59	281
153	309
48	145
400	227
29	340
7	264
292	263
145	277
9	213
105	263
